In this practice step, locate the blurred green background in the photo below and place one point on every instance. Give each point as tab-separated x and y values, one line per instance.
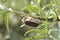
10	22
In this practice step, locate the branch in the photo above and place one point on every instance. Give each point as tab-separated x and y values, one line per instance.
35	21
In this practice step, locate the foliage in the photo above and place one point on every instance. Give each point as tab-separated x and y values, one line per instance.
43	8
6	21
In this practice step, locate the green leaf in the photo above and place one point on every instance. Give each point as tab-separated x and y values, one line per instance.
43	25
33	30
31	9
41	35
6	21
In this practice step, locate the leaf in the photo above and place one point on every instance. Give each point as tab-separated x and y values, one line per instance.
31	9
43	25
56	11
33	30
6	21
41	35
